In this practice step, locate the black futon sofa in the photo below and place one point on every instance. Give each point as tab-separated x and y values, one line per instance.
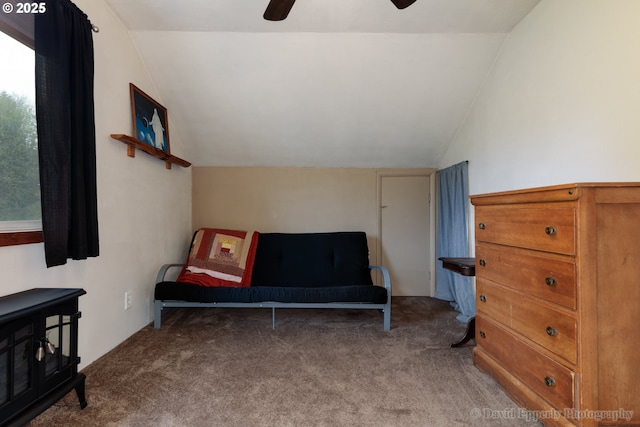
292	270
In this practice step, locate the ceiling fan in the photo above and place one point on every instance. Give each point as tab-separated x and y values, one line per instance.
277	10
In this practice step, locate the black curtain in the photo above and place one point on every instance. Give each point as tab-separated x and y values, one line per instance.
66	132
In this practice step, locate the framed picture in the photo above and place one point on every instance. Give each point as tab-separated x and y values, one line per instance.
150	120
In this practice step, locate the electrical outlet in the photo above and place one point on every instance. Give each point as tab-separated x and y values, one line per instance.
128	300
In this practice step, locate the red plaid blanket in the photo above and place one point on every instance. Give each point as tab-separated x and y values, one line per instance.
220	257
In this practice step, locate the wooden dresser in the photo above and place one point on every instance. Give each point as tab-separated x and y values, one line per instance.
558	300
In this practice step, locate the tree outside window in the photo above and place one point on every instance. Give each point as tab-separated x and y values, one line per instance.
19	179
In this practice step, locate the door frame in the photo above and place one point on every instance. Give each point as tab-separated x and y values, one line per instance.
428	172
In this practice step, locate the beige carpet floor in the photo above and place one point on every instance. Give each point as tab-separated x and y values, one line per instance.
227	367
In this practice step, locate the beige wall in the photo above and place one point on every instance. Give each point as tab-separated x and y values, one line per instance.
291	199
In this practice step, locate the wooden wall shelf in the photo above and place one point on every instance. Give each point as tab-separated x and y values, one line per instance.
133	143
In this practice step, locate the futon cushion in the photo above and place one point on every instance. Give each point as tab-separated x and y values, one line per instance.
194	293
309	260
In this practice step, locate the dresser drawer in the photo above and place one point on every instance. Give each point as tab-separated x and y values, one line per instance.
552	329
544	229
531	272
546	377
493	301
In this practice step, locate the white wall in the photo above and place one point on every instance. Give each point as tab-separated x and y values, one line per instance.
561	102
309	99
144	209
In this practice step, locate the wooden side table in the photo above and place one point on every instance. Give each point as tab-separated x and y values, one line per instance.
465	267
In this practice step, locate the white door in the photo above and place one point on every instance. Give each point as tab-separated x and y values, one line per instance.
405	233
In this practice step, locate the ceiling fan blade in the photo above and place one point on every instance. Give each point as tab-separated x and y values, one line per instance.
277	10
401	4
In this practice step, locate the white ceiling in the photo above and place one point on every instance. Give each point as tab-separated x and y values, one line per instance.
339	83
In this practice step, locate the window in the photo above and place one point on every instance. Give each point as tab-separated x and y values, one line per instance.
20	213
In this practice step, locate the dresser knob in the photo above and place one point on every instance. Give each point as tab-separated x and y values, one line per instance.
550	281
482	262
481	226
550	230
483	298
552	332
482	334
549	381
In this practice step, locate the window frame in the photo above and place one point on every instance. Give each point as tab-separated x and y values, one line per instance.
20	238
13	238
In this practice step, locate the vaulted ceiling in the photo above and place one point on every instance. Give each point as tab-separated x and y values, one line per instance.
339	83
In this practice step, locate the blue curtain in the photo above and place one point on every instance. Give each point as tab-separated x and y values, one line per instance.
453	239
66	132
